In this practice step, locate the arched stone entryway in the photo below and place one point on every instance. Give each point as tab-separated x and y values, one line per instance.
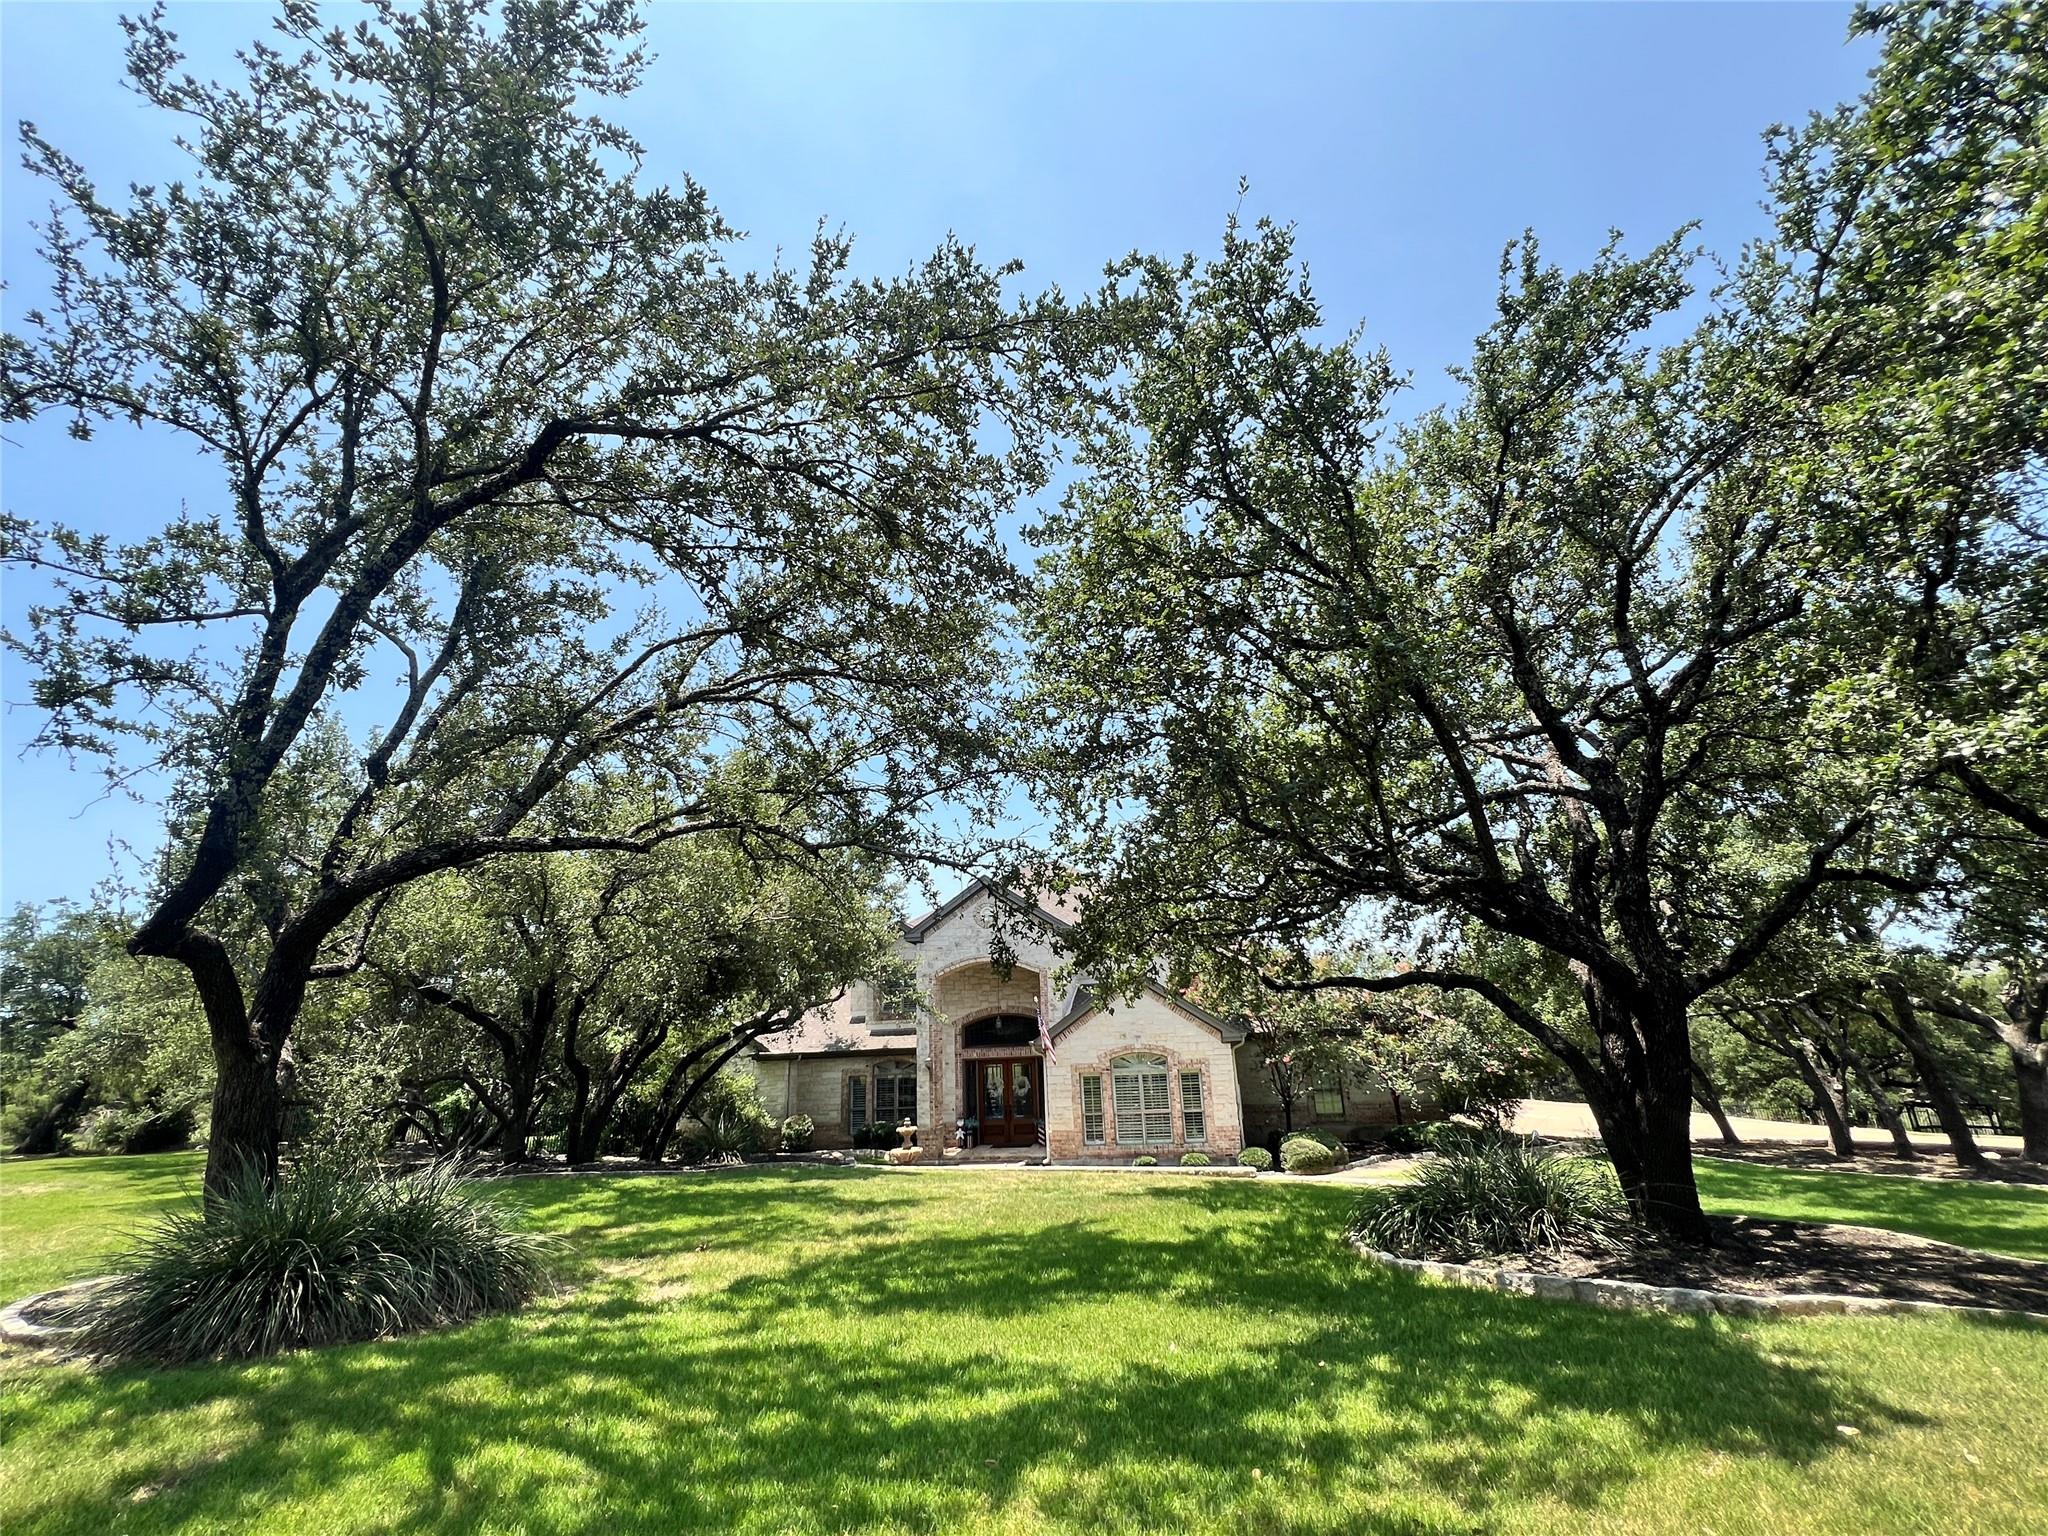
983	1044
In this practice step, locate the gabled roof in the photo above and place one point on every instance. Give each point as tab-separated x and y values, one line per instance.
1057	912
1229	1030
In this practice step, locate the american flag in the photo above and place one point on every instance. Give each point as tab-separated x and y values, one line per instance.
1044	1028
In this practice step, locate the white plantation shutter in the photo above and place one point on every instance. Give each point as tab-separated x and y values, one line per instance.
1144	1113
1193	1124
1130	1118
1091	1110
895	1092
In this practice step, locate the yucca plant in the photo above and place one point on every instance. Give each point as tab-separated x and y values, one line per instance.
1496	1196
326	1255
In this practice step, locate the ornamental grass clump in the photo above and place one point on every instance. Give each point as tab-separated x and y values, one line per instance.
1493	1198
326	1255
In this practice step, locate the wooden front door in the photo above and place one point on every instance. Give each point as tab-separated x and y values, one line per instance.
1006	1101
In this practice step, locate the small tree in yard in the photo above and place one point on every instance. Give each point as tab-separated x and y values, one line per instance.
1417	1054
588	977
46	959
1556	663
493	417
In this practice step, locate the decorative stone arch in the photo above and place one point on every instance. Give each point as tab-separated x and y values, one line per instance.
998	1028
966	965
1022	993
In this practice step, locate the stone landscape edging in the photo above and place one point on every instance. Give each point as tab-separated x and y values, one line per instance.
17	1327
1637	1295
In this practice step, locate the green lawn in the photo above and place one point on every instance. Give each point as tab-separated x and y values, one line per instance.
823	1351
1999	1218
60	1217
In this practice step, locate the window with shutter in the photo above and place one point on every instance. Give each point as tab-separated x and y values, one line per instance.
1194	1124
856	1103
1329	1095
1091	1110
895	1092
1144	1114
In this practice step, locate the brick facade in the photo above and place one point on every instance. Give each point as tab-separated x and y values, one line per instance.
1150	1026
1366	1106
951	954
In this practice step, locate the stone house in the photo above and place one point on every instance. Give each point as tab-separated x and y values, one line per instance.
1159	1075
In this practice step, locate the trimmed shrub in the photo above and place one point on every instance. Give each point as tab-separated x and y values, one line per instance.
1255	1157
1451	1137
798	1133
1194	1159
1402	1138
1307	1154
326	1256
1497	1197
1145	1160
165	1132
132	1128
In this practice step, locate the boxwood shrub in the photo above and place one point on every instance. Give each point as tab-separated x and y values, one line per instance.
1145	1160
1194	1159
1302	1153
1255	1157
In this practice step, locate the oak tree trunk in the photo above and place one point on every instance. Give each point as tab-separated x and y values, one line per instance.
1827	1095
1642	1101
2030	1070
1881	1102
1710	1101
248	1117
1904	1023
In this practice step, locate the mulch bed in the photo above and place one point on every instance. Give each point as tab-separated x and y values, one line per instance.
1756	1257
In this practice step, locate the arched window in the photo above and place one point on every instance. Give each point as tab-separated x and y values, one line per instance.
1000	1029
1138	1089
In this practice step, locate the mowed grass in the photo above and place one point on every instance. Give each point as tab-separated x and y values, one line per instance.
60	1218
795	1350
1998	1218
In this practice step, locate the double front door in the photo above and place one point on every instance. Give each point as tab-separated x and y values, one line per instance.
1006	1101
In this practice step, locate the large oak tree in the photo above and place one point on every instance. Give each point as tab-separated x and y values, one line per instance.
521	485
1556	663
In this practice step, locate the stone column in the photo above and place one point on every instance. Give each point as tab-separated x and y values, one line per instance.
935	1114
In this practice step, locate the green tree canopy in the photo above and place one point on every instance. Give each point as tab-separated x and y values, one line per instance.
519	478
1559	661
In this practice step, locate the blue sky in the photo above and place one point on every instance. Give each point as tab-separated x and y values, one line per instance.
1407	142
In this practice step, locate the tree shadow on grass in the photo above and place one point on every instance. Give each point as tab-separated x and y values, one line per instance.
861	1373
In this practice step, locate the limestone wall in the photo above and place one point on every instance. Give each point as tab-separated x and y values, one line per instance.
816	1086
1150	1024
